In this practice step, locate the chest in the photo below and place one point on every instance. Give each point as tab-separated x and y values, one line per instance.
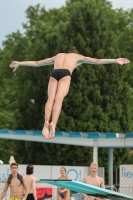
15	182
94	181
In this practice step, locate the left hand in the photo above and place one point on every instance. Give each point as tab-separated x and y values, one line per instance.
14	64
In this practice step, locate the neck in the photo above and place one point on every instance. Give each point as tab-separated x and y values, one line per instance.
93	175
14	175
63	176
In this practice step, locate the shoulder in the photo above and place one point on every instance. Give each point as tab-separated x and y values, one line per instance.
59	55
52	59
85	178
67	178
33	178
9	178
6	181
24	178
100	178
80	58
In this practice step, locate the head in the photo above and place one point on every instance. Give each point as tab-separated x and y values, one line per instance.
29	169
93	168
62	170
14	168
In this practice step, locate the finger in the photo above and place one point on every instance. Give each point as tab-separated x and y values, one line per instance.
14	69
126	61
11	65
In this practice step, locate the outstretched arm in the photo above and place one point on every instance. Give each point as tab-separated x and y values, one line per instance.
95	61
40	63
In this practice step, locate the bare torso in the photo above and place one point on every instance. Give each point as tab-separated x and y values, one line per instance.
30	180
16	188
96	181
67	192
63	178
67	61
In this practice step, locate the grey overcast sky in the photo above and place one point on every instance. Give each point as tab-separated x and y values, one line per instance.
12	12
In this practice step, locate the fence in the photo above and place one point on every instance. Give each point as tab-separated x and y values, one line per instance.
126	190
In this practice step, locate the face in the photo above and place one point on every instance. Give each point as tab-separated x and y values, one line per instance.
93	169
14	169
62	171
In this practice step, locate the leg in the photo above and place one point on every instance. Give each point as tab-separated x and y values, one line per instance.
62	90
67	196
52	88
59	197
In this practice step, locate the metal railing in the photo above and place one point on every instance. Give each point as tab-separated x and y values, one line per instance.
113	188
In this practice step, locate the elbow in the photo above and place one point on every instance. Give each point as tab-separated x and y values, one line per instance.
97	61
37	63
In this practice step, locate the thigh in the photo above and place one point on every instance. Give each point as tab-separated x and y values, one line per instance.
63	86
52	87
67	196
59	197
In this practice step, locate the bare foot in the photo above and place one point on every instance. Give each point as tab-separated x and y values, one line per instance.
52	130
45	130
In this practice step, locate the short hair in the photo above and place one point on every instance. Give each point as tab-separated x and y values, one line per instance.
94	164
29	169
14	164
63	168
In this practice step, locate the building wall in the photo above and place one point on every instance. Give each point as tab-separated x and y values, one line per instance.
126	179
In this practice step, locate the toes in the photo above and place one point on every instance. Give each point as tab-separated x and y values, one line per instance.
45	133
52	131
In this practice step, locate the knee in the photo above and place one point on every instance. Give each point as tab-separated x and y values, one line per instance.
50	100
59	99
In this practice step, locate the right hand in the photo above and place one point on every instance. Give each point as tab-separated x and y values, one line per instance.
122	61
61	191
14	64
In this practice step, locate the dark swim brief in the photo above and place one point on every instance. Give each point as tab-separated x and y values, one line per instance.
30	197
62	194
60	73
